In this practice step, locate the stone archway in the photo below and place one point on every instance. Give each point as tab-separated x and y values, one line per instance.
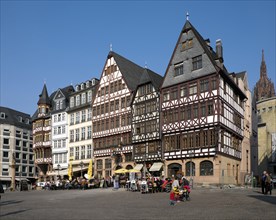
173	169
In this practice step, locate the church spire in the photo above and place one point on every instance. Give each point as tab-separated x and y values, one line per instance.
263	73
264	87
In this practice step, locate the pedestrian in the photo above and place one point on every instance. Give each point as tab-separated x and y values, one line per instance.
1	189
175	182
268	184
263	182
172	197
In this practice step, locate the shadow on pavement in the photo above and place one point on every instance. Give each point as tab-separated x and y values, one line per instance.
265	198
12	213
9	202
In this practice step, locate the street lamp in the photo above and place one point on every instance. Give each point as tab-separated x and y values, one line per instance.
58	166
191	170
81	165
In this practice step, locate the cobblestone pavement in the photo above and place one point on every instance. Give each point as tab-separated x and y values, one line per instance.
206	203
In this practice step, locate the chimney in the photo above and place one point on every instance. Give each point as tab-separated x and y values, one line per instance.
219	50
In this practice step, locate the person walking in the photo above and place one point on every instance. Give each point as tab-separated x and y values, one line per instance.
175	182
267	184
1	189
263	182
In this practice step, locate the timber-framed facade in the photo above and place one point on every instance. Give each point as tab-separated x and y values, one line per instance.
112	138
146	135
201	112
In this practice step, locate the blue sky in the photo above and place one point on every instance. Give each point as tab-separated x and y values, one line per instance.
67	42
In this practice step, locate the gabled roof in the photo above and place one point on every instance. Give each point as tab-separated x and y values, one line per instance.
66	91
211	54
131	72
150	76
213	58
241	75
43	97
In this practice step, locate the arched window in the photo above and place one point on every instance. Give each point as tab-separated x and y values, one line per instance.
174	168
206	168
188	168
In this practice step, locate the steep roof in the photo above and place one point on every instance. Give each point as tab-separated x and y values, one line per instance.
43	97
16	118
150	76
131	72
215	61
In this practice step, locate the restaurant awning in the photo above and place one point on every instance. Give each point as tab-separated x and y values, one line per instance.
138	166
156	167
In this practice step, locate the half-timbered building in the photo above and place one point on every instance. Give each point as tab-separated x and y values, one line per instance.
146	136
201	112
42	128
111	118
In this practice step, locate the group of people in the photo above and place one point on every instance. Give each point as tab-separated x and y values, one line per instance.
176	186
266	183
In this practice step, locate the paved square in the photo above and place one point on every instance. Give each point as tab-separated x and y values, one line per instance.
101	204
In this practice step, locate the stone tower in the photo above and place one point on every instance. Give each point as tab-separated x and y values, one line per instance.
264	88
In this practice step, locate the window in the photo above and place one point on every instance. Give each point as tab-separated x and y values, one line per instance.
6	141
77	117
89	96
178	69
193	89
206	168
89	114
83	98
89	132
82	152
77	134
183	91
204	85
187	44
5	154
77	156
83	115
2	115
83	133
203	110
72	119
166	96
77	100
210	108
72	102
99	164
197	62
190	166
89	151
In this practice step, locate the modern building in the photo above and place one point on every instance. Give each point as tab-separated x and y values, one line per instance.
112	137
16	147
80	143
202	113
59	118
146	135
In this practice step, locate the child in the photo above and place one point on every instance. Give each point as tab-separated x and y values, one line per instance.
172	197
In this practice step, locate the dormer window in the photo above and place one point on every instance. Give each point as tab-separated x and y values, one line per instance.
178	69
19	118
187	44
82	86
197	62
2	115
